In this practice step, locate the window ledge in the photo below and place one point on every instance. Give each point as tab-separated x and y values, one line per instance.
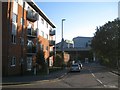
12	65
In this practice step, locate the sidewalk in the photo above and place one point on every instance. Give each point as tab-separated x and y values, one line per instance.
115	71
30	79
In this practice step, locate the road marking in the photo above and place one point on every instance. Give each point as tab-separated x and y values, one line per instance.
93	75
16	85
113	74
110	86
99	81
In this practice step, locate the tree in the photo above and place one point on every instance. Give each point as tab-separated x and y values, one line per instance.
40	60
58	61
105	42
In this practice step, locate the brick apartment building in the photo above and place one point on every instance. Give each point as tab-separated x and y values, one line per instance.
25	31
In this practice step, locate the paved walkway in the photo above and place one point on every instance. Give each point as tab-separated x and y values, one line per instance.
30	79
115	71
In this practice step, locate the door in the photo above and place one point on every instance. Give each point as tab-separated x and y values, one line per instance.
29	63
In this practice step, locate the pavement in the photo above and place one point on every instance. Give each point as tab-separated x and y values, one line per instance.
115	71
16	80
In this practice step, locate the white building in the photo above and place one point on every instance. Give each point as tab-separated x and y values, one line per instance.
82	42
66	44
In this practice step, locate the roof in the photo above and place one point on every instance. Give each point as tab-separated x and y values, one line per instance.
38	10
81	37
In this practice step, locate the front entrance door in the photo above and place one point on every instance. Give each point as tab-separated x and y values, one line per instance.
29	63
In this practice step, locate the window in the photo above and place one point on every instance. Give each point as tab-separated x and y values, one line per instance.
13	39
46	36
22	21
14	28
13	61
14	18
20	61
47	48
46	24
50	29
42	20
21	40
14	31
51	48
16	1
29	63
41	47
42	33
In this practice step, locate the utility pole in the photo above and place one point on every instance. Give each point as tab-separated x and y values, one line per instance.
62	42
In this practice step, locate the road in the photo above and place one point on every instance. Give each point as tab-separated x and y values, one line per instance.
91	76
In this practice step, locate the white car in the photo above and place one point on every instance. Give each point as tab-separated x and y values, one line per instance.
75	67
81	66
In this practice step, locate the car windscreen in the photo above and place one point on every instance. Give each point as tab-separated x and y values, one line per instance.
74	65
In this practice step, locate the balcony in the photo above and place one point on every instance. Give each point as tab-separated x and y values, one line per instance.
52	53
32	15
51	42
32	33
52	32
31	50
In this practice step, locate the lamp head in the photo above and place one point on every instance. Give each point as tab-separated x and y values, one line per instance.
63	19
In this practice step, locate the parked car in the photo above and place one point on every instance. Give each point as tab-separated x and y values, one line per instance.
75	67
81	66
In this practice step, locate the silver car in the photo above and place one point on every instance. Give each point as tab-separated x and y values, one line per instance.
75	67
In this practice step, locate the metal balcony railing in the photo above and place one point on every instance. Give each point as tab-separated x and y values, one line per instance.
51	42
31	50
32	15
52	32
52	53
31	32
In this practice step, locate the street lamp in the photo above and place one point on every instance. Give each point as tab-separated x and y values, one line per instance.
62	41
62	27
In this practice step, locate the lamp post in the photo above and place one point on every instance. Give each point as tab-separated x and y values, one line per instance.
62	42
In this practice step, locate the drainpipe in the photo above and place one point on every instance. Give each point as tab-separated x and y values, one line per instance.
22	39
9	39
35	69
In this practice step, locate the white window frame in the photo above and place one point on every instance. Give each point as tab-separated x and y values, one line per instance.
47	48
42	33
46	36
42	20
13	62
46	24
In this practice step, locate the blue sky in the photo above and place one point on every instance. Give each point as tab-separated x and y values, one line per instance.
82	18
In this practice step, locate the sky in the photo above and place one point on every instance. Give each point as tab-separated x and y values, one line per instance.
82	18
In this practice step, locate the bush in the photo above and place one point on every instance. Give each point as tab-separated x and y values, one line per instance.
58	61
40	60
